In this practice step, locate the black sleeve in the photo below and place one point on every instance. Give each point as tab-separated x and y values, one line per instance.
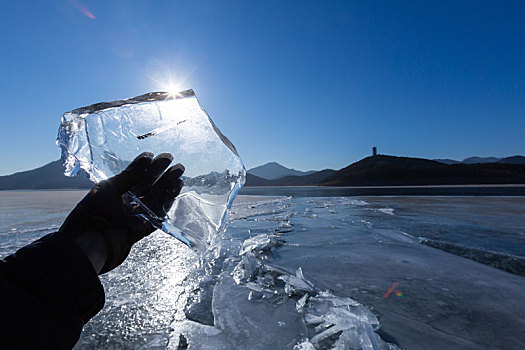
49	290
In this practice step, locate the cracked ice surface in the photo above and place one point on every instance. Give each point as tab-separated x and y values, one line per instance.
348	249
351	324
103	138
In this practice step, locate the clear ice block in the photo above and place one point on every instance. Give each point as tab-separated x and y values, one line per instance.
103	138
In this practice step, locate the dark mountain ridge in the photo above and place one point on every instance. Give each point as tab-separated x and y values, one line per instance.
447	161
512	160
273	170
380	170
384	170
477	160
49	176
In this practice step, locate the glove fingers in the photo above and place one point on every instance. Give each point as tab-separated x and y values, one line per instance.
119	241
155	170
170	195
165	190
130	176
139	228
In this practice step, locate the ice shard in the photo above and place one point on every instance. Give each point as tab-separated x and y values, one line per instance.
103	138
261	243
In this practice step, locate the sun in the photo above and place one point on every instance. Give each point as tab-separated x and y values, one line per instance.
172	89
167	81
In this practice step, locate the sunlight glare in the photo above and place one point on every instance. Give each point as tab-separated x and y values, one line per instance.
167	79
172	89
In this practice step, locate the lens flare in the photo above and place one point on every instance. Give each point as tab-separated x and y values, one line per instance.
83	9
390	290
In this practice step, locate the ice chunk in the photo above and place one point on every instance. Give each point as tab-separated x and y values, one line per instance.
323	305
103	138
299	305
305	345
246	269
336	301
258	288
297	283
334	315
261	243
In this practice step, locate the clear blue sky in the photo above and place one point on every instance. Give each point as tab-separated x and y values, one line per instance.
309	84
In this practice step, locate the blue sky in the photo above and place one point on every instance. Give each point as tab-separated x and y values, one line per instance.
309	84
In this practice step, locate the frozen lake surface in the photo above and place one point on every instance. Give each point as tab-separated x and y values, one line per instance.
364	248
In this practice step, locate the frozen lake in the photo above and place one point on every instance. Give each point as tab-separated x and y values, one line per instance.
364	248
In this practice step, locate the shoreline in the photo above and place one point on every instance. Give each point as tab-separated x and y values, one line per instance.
505	190
417	190
394	186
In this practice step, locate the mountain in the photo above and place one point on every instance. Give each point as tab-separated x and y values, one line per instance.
303	180
512	160
378	170
477	160
252	180
447	161
384	170
273	170
49	176
402	171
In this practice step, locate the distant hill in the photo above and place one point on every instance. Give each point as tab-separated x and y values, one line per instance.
384	170
389	170
447	161
304	180
252	180
49	176
512	160
478	160
273	170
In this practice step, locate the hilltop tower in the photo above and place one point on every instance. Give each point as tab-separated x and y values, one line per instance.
374	151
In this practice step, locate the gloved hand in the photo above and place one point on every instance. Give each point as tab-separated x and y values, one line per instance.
106	222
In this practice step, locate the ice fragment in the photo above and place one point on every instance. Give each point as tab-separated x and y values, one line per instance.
297	283
246	269
261	243
103	138
299	305
305	345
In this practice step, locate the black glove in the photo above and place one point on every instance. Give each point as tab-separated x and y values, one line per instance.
109	215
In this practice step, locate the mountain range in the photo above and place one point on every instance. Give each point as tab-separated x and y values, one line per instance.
49	176
273	170
478	160
380	170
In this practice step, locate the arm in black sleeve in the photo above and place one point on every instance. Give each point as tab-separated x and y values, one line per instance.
49	290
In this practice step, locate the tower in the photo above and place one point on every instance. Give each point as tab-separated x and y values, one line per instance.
374	151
